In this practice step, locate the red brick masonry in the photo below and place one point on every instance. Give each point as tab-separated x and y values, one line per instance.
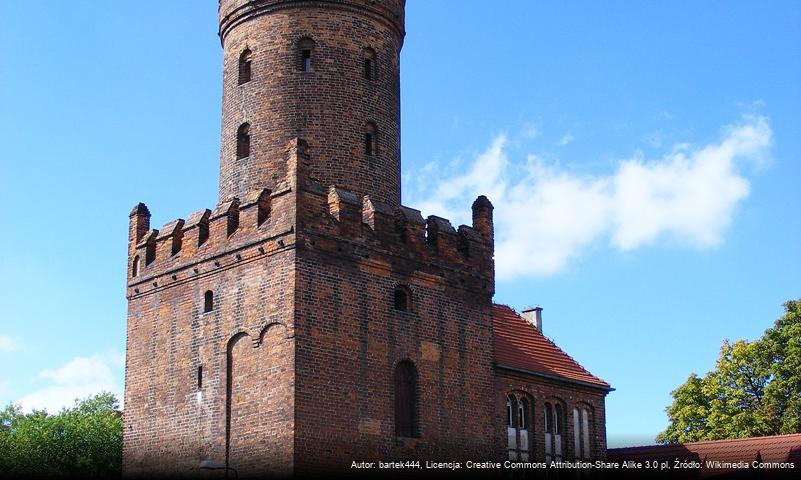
264	334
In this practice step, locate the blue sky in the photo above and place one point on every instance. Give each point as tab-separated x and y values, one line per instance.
643	159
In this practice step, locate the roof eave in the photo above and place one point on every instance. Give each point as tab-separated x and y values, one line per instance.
595	386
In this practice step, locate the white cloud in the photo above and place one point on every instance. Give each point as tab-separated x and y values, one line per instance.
546	215
78	378
8	344
566	139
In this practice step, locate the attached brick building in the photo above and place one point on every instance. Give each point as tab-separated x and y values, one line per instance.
309	319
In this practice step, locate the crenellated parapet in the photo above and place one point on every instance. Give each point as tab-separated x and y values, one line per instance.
300	212
348	224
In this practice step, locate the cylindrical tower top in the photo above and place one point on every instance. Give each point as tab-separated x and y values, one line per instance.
327	71
232	12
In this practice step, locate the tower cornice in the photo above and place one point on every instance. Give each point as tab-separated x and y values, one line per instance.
235	12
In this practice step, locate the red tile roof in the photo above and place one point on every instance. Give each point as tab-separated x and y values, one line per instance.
520	346
773	449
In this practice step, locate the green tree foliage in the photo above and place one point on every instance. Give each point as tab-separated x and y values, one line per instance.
82	441
755	389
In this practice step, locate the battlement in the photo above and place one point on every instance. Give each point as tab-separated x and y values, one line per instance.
299	212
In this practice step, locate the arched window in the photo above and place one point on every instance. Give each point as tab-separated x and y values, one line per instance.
369	139
406	424
208	301
522	413
554	423
135	266
517	427
244	66
369	64
581	433
306	48
243	141
402	299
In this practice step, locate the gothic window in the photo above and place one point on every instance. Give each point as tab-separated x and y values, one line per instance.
406	422
522	416
402	299
306	48
243	141
369	139
554	424
208	301
517	427
135	266
244	66
369	64
581	433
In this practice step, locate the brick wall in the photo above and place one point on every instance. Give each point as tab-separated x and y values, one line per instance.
349	339
171	424
540	390
328	106
302	255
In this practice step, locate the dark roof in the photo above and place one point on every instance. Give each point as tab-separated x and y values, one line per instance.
520	346
773	449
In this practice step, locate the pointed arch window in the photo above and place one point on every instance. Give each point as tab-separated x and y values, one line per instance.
517	427
245	66
135	266
581	433
554	425
406	404
243	141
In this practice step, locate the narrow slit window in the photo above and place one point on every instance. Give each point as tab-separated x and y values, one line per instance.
306	47
368	68
245	67
243	141
368	143
135	266
369	139
199	377
406	422
369	64
208	301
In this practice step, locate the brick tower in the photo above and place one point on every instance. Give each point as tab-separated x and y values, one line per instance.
327	72
309	319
